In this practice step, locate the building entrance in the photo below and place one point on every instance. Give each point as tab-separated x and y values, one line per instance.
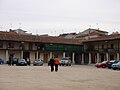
26	55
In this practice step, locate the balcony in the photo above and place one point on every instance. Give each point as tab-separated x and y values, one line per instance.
103	50
114	50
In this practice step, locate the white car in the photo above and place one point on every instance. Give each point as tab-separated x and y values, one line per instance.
38	62
65	61
116	65
22	62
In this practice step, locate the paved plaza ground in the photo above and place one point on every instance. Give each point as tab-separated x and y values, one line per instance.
75	77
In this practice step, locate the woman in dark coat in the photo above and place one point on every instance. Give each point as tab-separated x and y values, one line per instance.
52	64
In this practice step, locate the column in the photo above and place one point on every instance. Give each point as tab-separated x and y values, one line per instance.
82	62
98	57
51	55
6	55
107	58
118	56
37	55
21	54
73	58
63	54
89	58
41	56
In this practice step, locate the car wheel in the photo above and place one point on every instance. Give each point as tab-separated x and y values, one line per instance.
114	68
109	67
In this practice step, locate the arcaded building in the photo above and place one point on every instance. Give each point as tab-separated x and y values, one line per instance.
80	50
103	48
30	46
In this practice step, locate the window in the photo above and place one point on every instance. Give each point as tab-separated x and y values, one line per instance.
112	46
30	46
1	45
102	46
11	45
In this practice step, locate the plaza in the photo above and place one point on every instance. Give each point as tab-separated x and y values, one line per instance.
75	77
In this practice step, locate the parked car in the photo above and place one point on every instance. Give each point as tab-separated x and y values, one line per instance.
38	62
109	64
102	64
14	61
116	66
65	61
22	62
48	63
1	61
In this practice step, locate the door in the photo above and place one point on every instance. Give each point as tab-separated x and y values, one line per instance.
102	57
111	57
45	58
26	55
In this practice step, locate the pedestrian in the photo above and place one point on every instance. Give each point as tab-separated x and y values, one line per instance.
28	61
10	60
52	64
56	63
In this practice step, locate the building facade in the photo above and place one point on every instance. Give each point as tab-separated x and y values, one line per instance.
103	48
37	47
44	47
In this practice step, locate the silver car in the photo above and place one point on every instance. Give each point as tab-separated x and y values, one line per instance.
38	62
22	62
65	61
116	65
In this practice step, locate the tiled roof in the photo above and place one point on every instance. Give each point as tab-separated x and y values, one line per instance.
36	38
104	38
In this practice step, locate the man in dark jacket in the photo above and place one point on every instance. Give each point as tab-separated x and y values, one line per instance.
52	64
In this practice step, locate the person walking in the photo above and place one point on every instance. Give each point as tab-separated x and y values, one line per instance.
52	64
28	61
56	63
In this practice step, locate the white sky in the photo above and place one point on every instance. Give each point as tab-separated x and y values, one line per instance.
59	16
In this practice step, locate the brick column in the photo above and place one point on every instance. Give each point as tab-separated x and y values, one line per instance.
118	56
6	55
73	58
98	57
82	62
51	55
21	54
107	58
89	58
63	54
37	55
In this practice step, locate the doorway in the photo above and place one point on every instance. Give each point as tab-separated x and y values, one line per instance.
26	55
45	58
111	57
102	57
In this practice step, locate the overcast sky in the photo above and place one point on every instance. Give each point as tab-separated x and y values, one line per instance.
59	16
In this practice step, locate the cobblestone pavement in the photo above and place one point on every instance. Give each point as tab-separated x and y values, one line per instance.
75	77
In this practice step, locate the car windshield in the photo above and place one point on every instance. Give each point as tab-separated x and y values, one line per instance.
37	60
104	61
112	60
22	60
118	62
64	59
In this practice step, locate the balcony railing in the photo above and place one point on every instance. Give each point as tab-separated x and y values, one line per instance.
102	50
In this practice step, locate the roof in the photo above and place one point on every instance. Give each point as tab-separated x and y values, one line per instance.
98	30
35	38
104	38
